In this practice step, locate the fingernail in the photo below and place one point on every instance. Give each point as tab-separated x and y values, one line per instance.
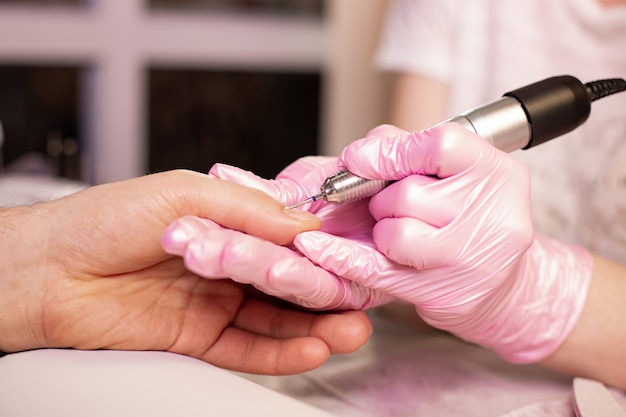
301	215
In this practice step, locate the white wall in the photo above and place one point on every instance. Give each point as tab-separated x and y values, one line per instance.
117	39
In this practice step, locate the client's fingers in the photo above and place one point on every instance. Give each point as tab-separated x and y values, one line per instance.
234	206
343	332
248	352
271	340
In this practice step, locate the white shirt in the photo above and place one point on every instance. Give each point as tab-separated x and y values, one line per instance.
484	48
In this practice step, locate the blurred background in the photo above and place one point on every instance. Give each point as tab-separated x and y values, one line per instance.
104	90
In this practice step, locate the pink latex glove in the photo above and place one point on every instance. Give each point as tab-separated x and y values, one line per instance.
458	242
214	252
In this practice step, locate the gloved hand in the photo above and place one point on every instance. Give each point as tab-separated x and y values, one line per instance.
214	252
454	237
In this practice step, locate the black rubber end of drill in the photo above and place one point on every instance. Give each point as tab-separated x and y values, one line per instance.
554	106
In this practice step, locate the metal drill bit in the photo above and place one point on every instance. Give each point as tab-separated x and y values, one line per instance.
308	200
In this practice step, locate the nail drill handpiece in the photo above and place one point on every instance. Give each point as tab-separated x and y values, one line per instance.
521	119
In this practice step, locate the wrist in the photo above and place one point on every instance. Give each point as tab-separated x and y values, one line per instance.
538	309
21	293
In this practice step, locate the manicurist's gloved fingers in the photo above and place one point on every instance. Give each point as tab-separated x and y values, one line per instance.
341	257
275	270
421	197
440	151
445	174
249	260
249	179
293	184
410	197
184	230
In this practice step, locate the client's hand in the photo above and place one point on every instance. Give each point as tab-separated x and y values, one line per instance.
454	237
88	272
214	252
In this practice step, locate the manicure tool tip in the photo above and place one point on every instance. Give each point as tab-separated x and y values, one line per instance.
303	202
